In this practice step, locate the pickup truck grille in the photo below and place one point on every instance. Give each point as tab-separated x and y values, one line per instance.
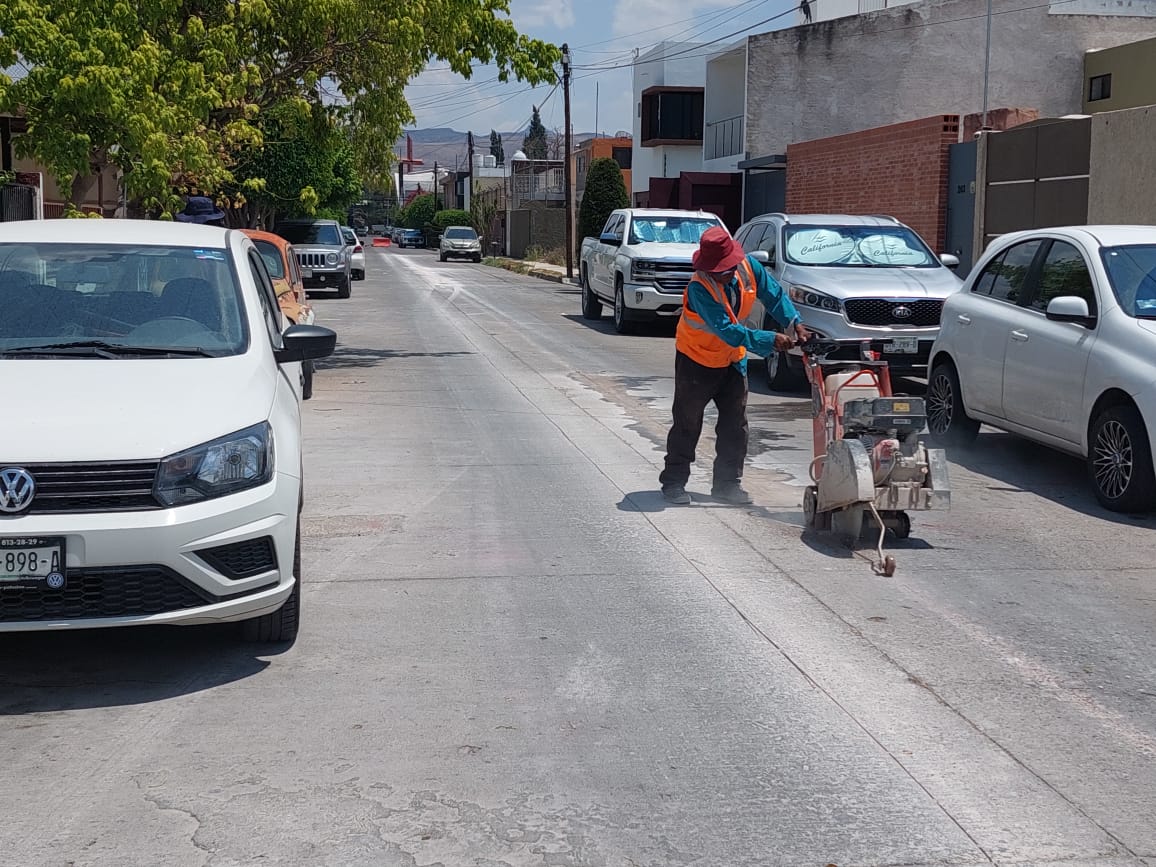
923	313
670	277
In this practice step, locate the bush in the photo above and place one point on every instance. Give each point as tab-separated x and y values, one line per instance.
417	213
550	256
605	192
445	219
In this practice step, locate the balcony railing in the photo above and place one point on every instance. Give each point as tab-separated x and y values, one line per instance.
723	138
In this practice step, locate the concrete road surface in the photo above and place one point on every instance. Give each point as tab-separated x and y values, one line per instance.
514	654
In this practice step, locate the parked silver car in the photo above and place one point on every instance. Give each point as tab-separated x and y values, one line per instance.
460	242
322	253
854	280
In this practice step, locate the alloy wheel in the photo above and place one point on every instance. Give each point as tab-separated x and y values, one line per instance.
1113	459
940	404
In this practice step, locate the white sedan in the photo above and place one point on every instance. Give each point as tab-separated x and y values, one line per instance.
1053	337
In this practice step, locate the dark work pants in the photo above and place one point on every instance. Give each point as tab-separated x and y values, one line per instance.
696	385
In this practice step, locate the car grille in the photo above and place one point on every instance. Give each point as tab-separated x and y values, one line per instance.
671	277
313	260
102	593
97	487
242	559
923	313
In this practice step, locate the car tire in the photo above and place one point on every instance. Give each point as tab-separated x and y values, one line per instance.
358	275
591	306
280	626
947	418
1120	460
344	289
622	323
307	380
478	259
780	376
441	257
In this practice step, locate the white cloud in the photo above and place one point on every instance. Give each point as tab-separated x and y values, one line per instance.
655	18
530	14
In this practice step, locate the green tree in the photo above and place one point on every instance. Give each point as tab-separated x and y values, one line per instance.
497	151
534	142
605	191
171	91
419	213
451	217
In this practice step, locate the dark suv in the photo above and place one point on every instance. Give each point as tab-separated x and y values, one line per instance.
322	253
411	238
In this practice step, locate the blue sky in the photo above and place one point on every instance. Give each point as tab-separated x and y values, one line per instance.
602	35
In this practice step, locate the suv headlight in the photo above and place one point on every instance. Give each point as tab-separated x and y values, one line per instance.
642	270
808	297
331	258
223	466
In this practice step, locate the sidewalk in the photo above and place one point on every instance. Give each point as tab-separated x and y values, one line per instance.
541	270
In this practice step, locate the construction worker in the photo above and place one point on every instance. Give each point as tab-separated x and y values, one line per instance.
711	361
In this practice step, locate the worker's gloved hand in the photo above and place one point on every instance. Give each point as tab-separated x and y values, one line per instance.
802	335
783	342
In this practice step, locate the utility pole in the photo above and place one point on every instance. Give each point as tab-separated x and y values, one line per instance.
986	65
469	186
566	173
436	186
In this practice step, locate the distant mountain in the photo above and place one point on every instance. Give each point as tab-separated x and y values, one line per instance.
449	149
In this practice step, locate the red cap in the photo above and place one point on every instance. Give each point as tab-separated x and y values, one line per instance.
717	251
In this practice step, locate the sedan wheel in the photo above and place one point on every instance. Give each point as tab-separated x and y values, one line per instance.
1120	461
947	420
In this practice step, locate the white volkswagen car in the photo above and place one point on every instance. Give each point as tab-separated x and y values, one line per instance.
1053	337
150	460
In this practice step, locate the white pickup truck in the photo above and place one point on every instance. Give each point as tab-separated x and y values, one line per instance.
640	264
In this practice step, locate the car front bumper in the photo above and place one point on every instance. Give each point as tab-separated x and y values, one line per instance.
644	300
324	278
222	560
461	252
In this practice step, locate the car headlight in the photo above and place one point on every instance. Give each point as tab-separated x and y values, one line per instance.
808	297
331	258
642	270
223	466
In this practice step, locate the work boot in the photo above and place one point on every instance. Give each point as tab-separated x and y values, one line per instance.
676	495
732	493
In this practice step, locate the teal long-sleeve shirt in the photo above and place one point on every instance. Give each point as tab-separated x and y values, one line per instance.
714	314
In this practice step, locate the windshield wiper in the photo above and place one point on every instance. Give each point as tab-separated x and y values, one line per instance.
103	349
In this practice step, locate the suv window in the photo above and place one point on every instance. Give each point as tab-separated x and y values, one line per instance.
325	234
1004	276
1064	273
751	235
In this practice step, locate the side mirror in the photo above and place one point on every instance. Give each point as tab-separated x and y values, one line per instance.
950	260
304	342
611	239
1070	308
764	257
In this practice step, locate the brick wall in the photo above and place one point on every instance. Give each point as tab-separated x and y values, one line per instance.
899	170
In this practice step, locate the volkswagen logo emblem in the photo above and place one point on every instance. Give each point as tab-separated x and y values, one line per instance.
901	312
16	489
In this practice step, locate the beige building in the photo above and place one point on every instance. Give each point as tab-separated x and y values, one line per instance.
1120	77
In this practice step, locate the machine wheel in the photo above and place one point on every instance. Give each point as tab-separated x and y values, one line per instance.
1120	460
280	626
902	525
621	324
847	524
591	306
947	418
812	517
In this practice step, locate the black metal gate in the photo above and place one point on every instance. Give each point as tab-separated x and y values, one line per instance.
17	202
765	192
961	203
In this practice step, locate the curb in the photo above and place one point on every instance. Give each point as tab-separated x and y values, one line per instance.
519	267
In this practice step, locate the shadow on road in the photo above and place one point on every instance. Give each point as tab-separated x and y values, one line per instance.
350	357
1019	466
641	329
53	671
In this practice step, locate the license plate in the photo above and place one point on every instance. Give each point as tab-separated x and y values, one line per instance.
306	272
31	561
902	345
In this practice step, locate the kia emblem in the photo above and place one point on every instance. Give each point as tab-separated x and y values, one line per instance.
901	312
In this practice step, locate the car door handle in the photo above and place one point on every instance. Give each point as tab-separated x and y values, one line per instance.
964	320
1021	336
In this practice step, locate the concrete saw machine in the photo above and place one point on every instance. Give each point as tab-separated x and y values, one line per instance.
869	461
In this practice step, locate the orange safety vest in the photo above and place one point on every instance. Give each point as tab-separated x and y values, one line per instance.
695	338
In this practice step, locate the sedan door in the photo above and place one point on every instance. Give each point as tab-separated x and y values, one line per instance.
984	317
1047	362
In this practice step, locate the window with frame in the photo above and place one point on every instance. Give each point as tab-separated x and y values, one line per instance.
1064	273
270	309
1099	87
1004	276
624	157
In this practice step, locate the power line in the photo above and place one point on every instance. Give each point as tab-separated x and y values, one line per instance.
662	27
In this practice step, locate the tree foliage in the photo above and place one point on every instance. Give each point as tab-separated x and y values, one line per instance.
534	143
497	150
605	192
419	213
171	91
451	217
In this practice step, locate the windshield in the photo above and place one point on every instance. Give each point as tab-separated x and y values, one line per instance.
669	230
118	296
461	234
857	247
325	234
1132	273
272	257
412	232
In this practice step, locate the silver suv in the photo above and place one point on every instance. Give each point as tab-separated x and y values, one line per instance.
324	257
460	242
854	280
